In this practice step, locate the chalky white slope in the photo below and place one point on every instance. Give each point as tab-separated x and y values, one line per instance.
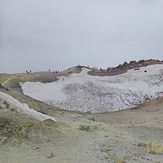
23	108
83	92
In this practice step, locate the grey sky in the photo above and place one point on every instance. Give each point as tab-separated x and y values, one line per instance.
57	34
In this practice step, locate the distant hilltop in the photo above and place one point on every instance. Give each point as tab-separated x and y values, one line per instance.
110	71
122	68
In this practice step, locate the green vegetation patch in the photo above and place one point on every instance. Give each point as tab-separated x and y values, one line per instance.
154	148
106	149
15	127
87	128
119	160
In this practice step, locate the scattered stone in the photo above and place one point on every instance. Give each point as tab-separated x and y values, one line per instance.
119	160
149	159
51	155
142	144
92	118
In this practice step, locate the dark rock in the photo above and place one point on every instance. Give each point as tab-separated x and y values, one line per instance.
50	155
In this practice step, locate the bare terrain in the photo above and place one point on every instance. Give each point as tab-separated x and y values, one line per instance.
132	135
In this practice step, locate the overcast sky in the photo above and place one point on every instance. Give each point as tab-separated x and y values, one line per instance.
57	34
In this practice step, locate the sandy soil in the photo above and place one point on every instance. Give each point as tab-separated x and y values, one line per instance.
95	138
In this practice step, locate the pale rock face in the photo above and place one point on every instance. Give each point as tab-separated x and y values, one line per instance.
95	94
24	108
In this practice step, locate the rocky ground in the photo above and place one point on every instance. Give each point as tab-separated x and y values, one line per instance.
122	68
131	136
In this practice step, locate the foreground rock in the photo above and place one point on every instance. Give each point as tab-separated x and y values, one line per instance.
22	108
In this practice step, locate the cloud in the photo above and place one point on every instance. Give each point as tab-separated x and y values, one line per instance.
99	33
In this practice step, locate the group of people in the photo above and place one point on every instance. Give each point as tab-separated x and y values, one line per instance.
54	71
27	72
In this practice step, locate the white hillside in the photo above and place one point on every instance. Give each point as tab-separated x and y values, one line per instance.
83	92
24	108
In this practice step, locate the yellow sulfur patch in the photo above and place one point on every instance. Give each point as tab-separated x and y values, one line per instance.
154	148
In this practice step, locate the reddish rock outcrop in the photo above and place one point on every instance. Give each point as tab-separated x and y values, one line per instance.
122	68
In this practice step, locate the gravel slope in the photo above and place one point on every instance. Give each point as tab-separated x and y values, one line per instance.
95	94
